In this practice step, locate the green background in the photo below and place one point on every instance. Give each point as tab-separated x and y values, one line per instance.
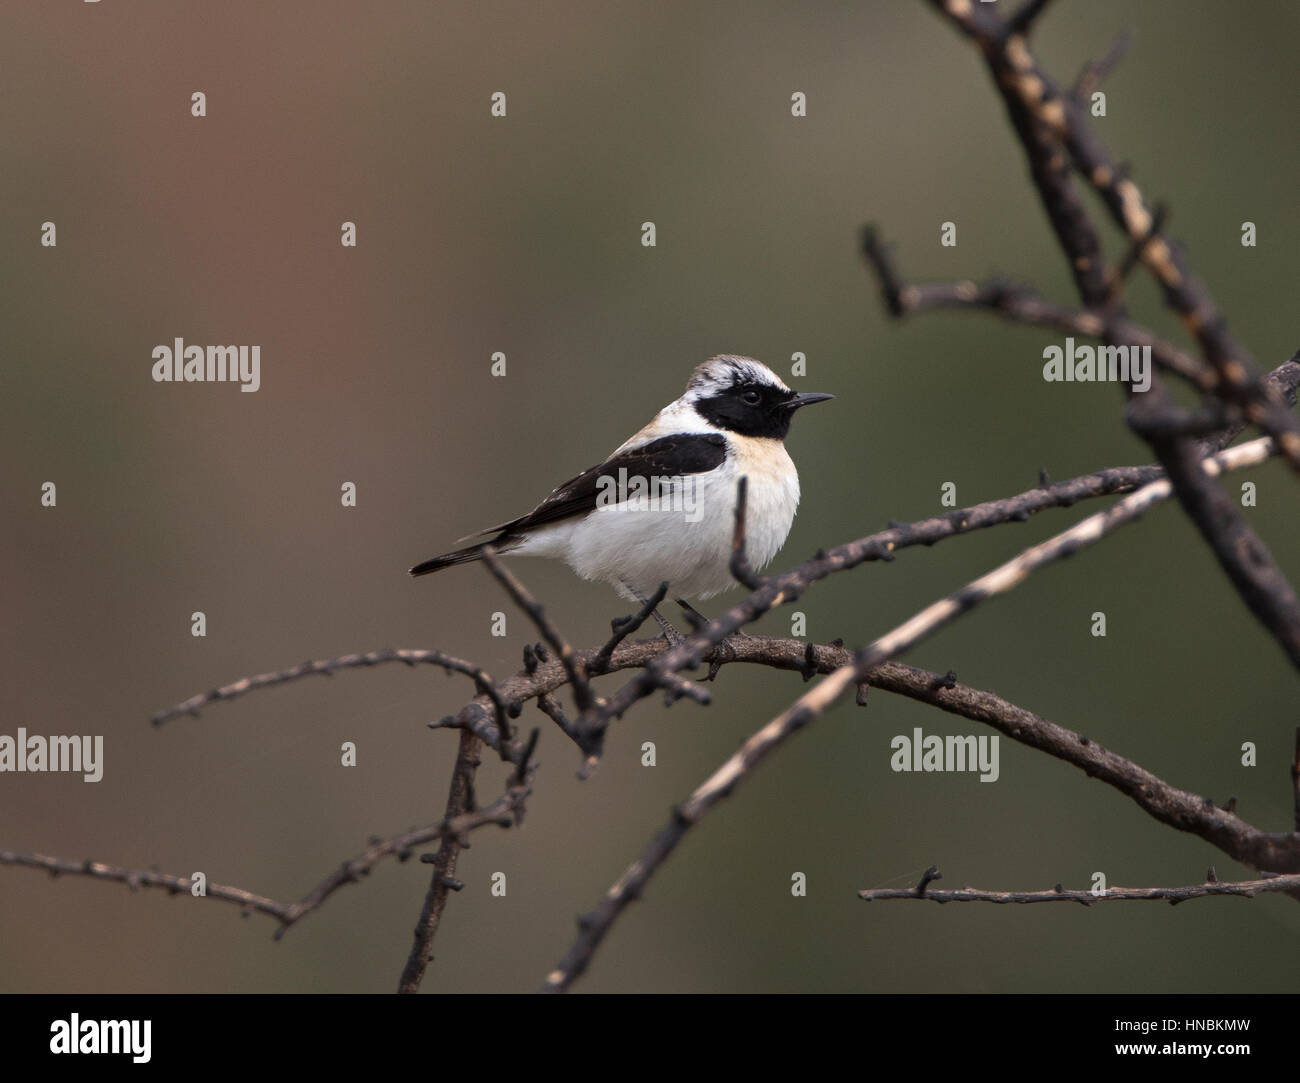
522	235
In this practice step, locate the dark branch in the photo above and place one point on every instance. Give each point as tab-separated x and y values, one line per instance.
503	812
741	569
1172	895
326	668
138	878
1295	778
582	692
623	627
460	801
1097	70
1020	304
1022	20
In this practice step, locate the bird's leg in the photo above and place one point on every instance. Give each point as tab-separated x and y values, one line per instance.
724	651
699	620
671	634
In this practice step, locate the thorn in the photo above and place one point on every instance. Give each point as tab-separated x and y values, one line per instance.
809	670
521	772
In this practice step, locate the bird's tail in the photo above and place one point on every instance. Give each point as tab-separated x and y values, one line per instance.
465	556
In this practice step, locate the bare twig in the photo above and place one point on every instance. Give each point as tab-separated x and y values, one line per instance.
1137	248
582	692
460	800
1295	778
1022	305
623	627
138	878
741	569
1022	20
326	667
1282	381
1097	70
1172	895
503	811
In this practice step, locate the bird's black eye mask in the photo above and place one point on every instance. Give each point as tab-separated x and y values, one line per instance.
750	410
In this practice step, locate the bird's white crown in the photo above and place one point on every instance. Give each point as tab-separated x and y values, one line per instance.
725	371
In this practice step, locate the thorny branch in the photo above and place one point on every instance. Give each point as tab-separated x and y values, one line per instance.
1055	133
594	926
582	692
504	812
1172	895
326	668
442	881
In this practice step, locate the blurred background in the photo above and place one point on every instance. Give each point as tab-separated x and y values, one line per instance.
522	235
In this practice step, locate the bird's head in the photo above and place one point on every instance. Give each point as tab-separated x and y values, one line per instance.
744	396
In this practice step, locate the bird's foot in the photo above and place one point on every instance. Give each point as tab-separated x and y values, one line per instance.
694	617
698	620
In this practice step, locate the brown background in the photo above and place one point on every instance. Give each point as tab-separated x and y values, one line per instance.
522	235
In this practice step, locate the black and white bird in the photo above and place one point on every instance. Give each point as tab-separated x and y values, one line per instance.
661	507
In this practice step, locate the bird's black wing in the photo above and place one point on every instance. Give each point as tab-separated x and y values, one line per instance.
669	456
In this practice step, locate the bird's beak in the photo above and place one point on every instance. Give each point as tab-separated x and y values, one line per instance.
806	400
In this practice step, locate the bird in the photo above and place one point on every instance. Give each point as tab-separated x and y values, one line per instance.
661	507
